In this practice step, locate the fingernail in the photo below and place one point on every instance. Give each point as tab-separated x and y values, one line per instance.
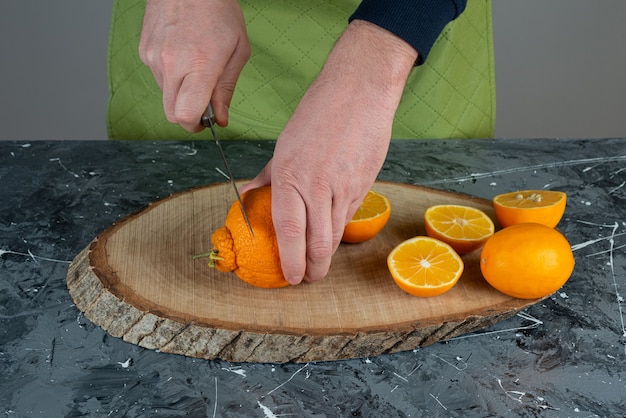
294	280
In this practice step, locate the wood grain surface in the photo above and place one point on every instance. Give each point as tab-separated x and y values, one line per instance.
138	281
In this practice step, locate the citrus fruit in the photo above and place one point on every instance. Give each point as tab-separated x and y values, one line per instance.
254	259
540	206
424	266
371	216
527	261
462	227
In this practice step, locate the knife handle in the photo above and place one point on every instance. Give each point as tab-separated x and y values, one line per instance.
208	118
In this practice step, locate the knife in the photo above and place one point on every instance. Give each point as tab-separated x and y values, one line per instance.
208	120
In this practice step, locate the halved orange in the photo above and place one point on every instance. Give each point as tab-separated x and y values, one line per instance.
464	228
424	266
369	219
539	206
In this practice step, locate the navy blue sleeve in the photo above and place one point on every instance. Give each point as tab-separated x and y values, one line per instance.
418	22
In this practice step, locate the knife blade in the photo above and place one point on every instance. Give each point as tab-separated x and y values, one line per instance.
208	120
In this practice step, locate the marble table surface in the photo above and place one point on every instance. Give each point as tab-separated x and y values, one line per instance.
562	357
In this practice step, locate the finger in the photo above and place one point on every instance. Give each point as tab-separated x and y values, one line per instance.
147	57
225	88
289	217
262	179
191	101
320	239
170	87
340	220
354	205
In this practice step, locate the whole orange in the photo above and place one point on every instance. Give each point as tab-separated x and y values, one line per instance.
527	261
254	259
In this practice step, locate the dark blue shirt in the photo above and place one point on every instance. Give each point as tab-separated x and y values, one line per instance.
418	22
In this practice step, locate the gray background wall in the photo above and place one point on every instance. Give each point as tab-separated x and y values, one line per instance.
560	68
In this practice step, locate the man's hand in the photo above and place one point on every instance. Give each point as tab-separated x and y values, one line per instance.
196	50
331	150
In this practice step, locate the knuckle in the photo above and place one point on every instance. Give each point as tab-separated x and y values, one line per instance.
246	51
290	228
240	46
227	87
143	55
284	175
321	186
149	57
166	59
320	249
186	116
145	48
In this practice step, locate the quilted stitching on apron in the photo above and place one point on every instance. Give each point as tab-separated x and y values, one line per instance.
451	96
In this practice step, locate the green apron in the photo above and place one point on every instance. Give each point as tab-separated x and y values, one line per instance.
452	95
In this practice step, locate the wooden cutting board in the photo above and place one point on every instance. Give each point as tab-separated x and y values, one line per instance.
138	281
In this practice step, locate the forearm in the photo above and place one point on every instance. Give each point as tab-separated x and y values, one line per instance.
369	63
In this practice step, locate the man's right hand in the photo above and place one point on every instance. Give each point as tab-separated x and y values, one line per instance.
196	50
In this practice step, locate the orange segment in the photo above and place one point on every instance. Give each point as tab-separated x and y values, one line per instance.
371	216
462	227
540	206
424	266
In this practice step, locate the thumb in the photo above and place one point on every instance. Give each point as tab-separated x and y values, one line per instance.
262	179
221	98
191	101
225	88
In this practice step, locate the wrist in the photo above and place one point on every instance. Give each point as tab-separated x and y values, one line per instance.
383	42
373	60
